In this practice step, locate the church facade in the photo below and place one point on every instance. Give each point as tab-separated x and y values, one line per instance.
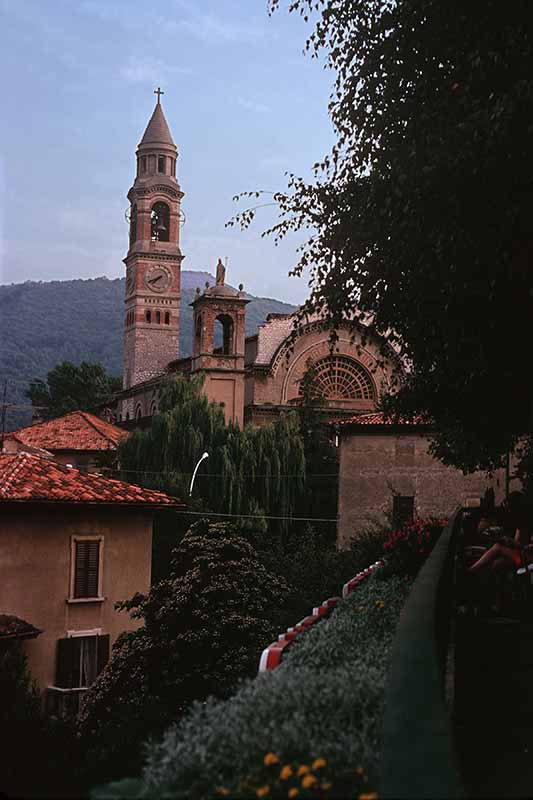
255	377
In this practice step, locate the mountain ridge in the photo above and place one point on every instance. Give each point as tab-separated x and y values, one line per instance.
45	322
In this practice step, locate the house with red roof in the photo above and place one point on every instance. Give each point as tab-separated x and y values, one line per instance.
79	438
386	472
72	544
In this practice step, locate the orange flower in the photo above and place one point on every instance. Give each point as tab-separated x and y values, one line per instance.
294	792
368	796
262	791
303	770
318	763
308	781
286	772
222	791
270	758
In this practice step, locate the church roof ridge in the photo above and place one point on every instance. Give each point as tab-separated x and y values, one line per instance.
157	131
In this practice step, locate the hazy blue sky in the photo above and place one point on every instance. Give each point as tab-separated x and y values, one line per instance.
243	102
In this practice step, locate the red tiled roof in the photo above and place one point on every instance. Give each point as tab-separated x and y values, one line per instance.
27	478
12	627
78	430
379	418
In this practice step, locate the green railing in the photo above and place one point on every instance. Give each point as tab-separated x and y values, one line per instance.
418	753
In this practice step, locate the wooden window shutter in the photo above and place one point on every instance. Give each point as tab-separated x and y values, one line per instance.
67	664
86	568
102	652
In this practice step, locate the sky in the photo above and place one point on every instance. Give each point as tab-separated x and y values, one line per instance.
244	103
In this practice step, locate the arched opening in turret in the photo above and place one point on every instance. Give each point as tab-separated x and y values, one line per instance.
158	317
160	219
223	335
133	224
167	317
148	315
142	165
198	334
161	164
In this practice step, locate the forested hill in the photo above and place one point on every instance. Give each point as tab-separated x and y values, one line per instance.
81	320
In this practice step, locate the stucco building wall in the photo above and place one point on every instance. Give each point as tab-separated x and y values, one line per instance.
35	559
376	466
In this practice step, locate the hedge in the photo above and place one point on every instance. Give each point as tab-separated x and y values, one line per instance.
323	702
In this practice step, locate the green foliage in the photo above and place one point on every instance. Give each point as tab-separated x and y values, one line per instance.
312	566
421	215
70	388
250	471
42	324
203	629
20	719
324	700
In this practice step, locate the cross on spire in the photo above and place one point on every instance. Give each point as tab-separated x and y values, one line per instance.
158	92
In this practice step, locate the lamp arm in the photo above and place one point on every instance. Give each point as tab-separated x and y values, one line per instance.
204	456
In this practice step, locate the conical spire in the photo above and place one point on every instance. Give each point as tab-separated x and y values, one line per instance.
157	131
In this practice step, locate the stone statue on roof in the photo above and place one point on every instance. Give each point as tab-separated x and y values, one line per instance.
221	273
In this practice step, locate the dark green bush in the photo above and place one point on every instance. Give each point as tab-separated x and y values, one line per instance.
325	700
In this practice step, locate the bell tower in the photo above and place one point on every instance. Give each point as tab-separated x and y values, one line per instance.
219	323
153	261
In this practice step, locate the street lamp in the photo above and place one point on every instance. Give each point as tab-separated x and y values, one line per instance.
204	456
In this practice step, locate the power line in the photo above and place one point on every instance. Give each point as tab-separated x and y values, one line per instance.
255	516
220	475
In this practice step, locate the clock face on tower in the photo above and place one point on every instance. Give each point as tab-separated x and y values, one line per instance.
158	278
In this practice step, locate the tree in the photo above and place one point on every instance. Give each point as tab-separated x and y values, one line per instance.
422	212
251	471
203	630
21	725
71	388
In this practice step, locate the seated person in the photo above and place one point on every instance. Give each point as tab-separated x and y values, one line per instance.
510	548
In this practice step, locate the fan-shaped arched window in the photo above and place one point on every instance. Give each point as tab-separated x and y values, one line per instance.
160	219
342	378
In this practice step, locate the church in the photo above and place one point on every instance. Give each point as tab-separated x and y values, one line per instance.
254	377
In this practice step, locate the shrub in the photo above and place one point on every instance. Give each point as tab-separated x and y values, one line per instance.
324	701
407	548
204	629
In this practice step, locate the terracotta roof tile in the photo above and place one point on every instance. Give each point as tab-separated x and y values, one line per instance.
78	430
28	478
12	627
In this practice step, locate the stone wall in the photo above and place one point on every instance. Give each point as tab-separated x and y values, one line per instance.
375	466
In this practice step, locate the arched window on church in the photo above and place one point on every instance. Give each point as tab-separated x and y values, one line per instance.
338	378
198	334
223	335
153	408
138	412
160	220
161	164
133	224
167	317
158	317
148	315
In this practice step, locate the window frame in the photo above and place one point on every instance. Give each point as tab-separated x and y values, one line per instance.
73	544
